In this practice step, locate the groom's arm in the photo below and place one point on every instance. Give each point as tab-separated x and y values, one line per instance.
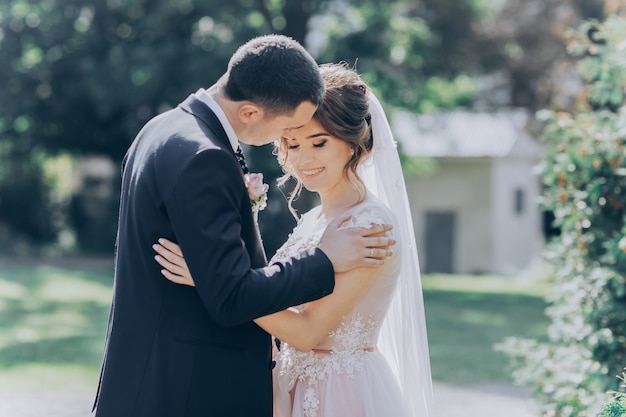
204	209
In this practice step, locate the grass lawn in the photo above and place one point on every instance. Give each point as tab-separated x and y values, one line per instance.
53	318
467	315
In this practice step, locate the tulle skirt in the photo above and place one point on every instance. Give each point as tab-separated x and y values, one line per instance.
328	385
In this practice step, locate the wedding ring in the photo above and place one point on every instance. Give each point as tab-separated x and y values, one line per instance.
371	253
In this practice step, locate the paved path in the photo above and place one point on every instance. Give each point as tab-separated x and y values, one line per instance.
451	401
482	401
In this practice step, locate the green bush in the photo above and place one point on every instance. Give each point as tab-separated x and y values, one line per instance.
616	408
26	210
584	173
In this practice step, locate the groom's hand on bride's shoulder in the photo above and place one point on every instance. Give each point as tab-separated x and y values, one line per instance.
354	247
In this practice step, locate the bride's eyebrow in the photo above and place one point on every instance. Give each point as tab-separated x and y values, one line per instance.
317	135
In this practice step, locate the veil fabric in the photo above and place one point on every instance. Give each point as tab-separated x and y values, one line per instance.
403	340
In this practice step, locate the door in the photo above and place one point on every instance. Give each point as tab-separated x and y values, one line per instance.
439	244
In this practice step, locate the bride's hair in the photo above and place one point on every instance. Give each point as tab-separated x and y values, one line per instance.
344	114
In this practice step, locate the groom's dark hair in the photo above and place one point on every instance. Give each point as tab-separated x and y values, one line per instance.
275	72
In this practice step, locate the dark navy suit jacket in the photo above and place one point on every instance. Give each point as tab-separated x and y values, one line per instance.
173	350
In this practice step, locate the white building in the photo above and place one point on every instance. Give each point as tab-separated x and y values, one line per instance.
479	212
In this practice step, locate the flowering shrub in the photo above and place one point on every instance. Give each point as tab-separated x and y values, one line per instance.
584	172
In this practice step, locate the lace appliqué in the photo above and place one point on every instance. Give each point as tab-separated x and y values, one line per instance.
354	336
366	218
296	243
304	237
307	236
346	357
311	403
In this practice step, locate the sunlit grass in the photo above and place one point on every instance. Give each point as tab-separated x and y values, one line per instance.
53	320
59	287
12	290
528	283
39	377
53	316
467	315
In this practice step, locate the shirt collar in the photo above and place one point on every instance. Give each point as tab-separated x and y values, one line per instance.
204	96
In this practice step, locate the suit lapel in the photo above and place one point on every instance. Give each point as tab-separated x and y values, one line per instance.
252	238
199	110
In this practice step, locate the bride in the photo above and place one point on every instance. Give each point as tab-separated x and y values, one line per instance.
361	351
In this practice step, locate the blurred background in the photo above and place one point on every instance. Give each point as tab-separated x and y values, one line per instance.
510	124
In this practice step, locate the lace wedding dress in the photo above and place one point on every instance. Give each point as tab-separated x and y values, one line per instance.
345	375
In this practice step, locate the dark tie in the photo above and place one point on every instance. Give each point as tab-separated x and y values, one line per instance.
242	160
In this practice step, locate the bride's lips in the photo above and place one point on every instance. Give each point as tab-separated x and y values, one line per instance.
311	173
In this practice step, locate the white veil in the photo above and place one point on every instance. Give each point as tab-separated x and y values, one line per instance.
403	340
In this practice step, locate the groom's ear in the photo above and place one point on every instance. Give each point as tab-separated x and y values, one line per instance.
250	113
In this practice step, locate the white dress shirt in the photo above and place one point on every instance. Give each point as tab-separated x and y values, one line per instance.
204	96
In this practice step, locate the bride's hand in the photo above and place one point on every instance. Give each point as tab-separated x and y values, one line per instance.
170	257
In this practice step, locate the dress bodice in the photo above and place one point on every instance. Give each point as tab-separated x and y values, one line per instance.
360	327
358	331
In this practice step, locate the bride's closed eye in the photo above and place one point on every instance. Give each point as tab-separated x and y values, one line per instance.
320	144
291	143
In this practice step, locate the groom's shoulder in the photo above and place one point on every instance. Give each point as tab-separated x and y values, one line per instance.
185	148
177	131
170	143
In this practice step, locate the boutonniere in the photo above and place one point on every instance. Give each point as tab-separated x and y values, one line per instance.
257	191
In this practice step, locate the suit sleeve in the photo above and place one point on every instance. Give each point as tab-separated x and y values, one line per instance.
204	209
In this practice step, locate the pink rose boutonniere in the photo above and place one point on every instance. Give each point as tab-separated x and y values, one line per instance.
257	191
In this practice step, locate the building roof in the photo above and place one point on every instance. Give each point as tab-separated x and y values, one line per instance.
462	133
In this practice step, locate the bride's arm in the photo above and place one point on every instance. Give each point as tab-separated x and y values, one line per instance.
305	329
301	329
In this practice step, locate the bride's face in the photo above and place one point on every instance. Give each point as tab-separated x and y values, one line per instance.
317	158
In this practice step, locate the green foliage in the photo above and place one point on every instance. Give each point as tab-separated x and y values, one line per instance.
412	53
83	76
584	173
616	408
25	203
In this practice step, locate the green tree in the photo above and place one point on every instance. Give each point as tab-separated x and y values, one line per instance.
412	53
585	178
82	77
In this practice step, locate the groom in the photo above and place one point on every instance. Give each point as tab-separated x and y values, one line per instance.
173	350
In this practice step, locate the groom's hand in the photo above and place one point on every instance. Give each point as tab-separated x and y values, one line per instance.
356	247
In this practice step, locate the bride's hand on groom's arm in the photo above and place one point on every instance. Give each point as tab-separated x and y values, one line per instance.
170	257
347	249
356	247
